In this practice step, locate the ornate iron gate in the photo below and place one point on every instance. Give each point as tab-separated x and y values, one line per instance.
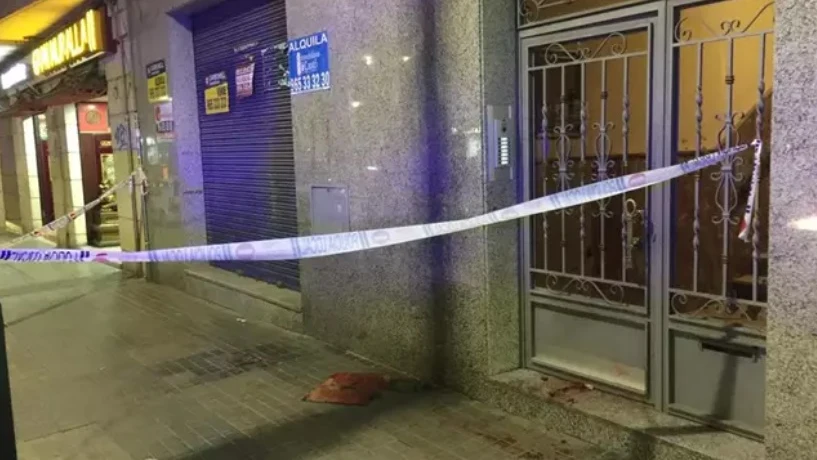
649	294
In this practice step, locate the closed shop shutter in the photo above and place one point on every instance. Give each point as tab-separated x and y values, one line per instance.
247	153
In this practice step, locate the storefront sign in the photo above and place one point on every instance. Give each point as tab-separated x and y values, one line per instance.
81	40
216	94
163	114
244	74
157	82
93	118
309	64
16	74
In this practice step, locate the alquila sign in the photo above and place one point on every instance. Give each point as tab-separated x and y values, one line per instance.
79	41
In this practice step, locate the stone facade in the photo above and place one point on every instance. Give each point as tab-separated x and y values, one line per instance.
66	173
444	309
21	192
402	130
8	172
791	423
405	137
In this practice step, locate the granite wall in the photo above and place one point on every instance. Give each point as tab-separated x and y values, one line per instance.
148	31
25	173
402	131
124	123
791	405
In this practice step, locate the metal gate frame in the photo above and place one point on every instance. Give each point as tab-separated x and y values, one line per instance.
648	15
659	17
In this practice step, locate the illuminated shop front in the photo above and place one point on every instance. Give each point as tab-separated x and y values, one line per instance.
57	103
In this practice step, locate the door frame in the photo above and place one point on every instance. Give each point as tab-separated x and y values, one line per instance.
653	17
44	173
660	16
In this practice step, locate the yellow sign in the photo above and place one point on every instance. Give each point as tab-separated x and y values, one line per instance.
216	94
80	40
157	82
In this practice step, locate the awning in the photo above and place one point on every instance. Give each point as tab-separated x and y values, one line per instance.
78	84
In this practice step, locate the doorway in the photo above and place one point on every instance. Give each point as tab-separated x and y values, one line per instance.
650	295
98	174
44	169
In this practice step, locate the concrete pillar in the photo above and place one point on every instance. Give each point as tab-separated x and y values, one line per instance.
403	128
405	135
64	148
791	405
2	205
124	123
25	161
175	204
8	170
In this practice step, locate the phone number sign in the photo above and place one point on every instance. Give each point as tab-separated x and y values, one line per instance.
309	64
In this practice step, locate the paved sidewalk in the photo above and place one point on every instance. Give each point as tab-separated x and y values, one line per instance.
114	369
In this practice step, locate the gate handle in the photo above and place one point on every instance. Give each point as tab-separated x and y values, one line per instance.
631	212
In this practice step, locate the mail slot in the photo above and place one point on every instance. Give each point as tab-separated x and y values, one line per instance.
718	379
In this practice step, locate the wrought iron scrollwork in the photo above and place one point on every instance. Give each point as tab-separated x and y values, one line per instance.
530	10
580	143
557	53
728	310
560	285
726	28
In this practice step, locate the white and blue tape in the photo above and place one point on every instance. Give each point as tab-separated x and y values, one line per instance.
748	215
306	247
63	221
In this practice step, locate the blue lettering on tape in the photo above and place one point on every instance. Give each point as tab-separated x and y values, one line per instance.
428	230
445	228
311	246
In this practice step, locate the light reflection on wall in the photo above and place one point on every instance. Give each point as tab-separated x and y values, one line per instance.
807	223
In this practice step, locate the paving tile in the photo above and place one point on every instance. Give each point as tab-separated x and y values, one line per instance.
132	370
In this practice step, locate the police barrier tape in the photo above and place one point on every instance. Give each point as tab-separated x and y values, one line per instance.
63	221
753	197
306	247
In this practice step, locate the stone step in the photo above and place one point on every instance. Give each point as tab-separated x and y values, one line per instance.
252	300
109	228
635	428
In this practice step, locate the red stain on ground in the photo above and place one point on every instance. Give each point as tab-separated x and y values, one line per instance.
349	389
568	391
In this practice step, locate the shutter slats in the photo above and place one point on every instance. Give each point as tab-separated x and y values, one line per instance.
248	162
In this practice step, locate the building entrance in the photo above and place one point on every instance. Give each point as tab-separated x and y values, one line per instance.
651	294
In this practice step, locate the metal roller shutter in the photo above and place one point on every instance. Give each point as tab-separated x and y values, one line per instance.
248	161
